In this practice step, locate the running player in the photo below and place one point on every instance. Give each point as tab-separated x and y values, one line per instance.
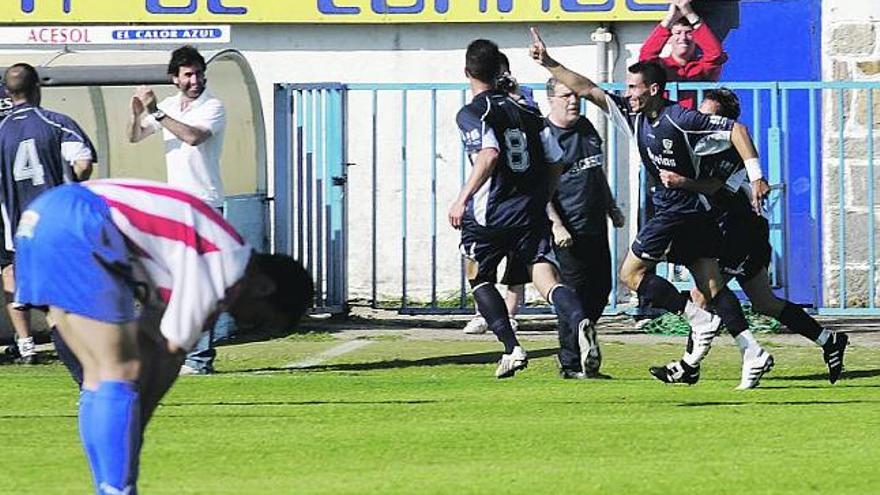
682	231
501	209
746	251
119	240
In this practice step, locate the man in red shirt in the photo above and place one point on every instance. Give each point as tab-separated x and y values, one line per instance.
685	32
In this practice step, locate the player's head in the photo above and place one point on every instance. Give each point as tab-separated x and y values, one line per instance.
682	39
721	101
274	293
23	83
564	103
645	84
482	61
187	70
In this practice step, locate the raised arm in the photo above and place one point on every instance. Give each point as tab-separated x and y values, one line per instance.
708	66
655	42
743	144
581	85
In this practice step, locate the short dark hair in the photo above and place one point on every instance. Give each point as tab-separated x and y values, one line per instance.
503	61
652	73
483	60
21	80
294	290
727	101
683	21
184	56
551	86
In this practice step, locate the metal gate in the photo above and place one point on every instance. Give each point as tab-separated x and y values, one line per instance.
310	186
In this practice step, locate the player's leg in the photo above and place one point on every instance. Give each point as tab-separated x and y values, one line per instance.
110	411
765	302
516	275
577	337
756	360
477	324
19	317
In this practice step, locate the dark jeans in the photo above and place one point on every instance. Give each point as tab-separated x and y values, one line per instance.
585	266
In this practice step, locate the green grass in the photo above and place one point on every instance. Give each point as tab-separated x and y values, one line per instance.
417	417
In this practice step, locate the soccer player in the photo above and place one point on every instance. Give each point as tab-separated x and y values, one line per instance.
746	251
122	240
579	211
682	231
501	209
39	149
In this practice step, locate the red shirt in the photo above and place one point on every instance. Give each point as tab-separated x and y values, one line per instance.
706	67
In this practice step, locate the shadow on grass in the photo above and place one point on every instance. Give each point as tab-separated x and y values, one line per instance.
777	403
847	375
457	359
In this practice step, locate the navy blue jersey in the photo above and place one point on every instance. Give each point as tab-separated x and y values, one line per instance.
582	196
675	140
515	195
5	102
37	148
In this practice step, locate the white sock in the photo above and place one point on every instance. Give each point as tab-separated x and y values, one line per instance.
695	315
823	337
747	343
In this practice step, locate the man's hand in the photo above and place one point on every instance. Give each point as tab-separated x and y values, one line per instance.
618	219
672	15
456	213
561	235
137	106
538	50
760	190
147	98
672	180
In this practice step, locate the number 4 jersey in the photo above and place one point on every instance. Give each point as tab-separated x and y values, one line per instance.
37	150
515	195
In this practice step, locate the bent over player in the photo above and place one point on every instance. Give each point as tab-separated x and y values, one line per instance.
502	209
746	251
671	137
119	240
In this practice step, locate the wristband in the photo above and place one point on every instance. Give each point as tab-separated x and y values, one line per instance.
753	168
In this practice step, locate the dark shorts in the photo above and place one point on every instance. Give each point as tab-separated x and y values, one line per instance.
678	238
70	254
6	257
745	249
521	246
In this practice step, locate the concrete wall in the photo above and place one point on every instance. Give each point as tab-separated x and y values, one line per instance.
851	41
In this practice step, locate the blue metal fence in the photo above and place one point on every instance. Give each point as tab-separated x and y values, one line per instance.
786	119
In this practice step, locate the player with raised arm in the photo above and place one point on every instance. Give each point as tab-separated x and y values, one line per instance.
502	208
682	231
122	240
746	251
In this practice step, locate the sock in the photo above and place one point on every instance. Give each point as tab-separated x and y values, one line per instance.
796	319
823	337
114	428
659	292
696	317
67	357
26	346
86	403
730	311
493	309
747	343
567	305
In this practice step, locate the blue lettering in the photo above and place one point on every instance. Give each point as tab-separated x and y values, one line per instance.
577	6
330	7
504	6
382	7
27	6
156	7
217	7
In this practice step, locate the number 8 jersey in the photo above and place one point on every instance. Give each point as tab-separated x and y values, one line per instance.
37	150
515	195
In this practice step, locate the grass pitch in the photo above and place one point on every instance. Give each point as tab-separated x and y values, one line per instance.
404	416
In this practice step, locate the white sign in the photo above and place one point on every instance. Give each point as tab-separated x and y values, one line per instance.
113	35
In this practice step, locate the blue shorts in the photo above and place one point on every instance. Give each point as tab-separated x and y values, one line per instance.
69	254
678	238
522	247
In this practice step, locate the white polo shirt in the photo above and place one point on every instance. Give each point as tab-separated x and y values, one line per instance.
195	169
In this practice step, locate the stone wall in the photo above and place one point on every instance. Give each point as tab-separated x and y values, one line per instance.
851	52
